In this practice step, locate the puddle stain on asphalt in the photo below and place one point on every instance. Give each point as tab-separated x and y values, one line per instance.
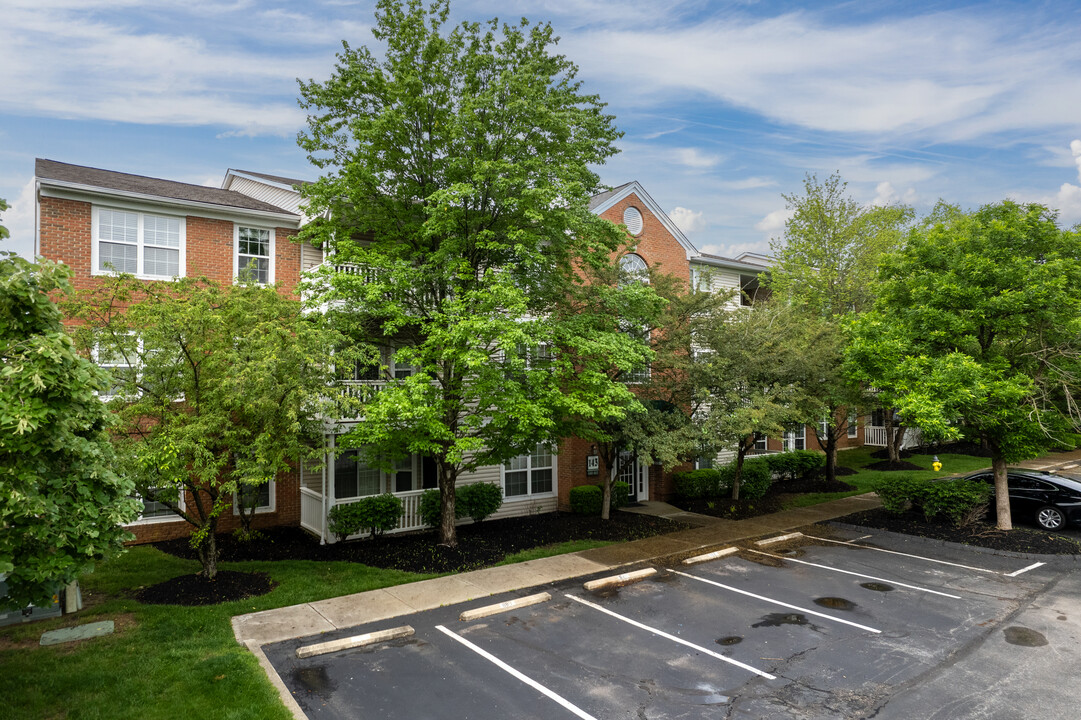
835	603
876	586
779	619
729	640
604	592
314	679
1024	637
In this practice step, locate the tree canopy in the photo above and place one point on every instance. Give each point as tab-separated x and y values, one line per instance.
456	176
977	331
218	388
62	504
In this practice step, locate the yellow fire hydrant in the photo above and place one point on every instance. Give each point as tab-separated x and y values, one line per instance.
936	465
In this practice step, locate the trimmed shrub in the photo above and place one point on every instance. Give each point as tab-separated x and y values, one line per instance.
796	464
479	500
621	493
755	479
345	520
695	484
586	500
961	502
430	508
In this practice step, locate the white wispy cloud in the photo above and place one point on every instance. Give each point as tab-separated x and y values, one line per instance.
19	220
885	194
774	221
687	220
695	158
1068	198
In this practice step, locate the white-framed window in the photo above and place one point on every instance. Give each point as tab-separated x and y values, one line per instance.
147	245
123	367
824	427
354	478
761	442
530	475
253	251
643	372
853	420
156	512
795	439
261	497
633	268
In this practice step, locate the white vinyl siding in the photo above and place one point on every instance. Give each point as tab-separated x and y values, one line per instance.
146	245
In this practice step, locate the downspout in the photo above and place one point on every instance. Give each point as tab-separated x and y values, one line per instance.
37	218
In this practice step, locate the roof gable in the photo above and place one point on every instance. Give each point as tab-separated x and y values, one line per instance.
601	202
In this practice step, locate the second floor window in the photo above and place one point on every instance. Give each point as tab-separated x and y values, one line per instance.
254	253
142	244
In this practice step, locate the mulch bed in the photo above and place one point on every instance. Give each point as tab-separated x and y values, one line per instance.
479	545
1020	539
198	590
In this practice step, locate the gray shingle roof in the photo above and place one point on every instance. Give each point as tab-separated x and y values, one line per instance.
110	180
598	199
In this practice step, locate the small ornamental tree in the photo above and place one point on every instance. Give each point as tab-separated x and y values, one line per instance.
218	388
456	174
979	317
62	504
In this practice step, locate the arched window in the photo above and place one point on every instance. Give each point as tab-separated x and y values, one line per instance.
633	268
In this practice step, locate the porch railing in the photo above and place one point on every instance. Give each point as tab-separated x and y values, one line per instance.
311	511
312	519
875	436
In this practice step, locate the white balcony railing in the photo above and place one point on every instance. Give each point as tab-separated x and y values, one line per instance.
311	511
313	519
875	436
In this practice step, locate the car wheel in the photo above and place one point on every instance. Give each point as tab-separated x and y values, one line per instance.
1050	518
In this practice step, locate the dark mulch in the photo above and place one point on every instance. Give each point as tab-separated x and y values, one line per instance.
842	470
891	466
729	508
884	454
479	545
198	590
813	485
1023	540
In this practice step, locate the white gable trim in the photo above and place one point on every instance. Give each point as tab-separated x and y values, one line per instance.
230	174
635	188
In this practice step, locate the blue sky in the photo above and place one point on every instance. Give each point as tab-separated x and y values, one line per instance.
724	105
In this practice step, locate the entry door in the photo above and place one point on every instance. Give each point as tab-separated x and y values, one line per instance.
636	475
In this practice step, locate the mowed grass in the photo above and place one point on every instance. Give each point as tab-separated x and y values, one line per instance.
868	480
549	550
164	661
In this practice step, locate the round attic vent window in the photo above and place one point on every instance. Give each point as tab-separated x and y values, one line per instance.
632	218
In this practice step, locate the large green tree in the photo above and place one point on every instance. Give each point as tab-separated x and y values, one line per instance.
62	504
977	330
456	172
218	388
825	267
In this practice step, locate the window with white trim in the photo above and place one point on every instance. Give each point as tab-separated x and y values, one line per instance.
795	439
632	269
257	497
529	475
761	442
146	245
123	367
853	420
355	478
155	511
254	253
824	427
641	373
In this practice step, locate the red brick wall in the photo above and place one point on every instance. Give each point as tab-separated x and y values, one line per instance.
655	244
286	512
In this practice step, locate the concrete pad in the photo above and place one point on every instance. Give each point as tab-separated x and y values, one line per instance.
270	626
360	608
79	632
489	610
428	594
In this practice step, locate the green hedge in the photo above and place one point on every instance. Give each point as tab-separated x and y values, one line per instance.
961	502
479	500
695	484
586	500
377	514
796	464
755	481
430	508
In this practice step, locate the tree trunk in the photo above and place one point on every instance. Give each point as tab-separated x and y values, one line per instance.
448	529
831	454
1002	493
891	447
898	440
208	552
741	452
606	497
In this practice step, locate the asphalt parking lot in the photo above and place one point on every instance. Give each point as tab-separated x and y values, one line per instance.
812	628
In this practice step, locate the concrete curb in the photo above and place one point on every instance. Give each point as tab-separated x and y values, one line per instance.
283	692
348	643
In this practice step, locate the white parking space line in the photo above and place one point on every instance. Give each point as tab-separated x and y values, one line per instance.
673	638
579	712
1033	566
856	574
895	552
777	602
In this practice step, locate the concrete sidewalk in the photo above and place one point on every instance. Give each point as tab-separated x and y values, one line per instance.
270	626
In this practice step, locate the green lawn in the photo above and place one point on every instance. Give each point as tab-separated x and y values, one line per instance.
163	661
550	550
866	480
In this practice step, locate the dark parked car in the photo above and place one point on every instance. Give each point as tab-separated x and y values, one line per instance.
1050	499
